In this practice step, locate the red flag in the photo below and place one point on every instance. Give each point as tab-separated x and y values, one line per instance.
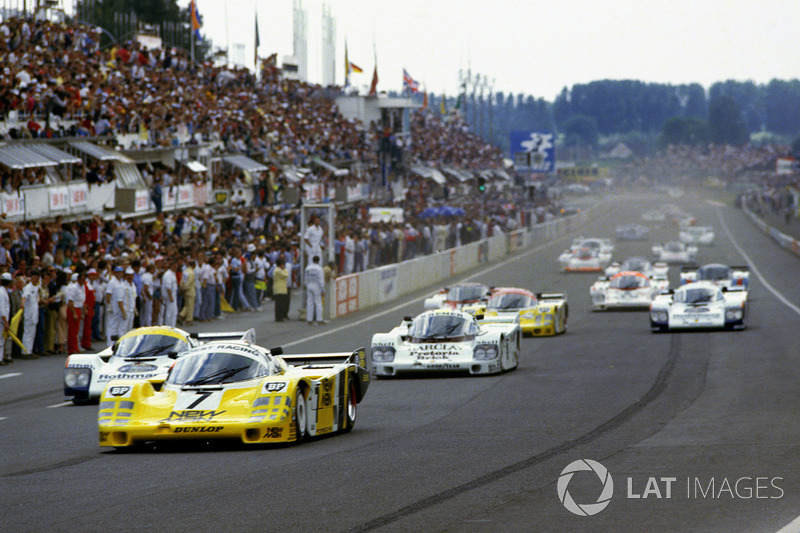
373	89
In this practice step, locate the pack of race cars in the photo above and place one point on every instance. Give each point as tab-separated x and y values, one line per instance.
164	384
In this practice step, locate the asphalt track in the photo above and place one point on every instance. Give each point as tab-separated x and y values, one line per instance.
716	411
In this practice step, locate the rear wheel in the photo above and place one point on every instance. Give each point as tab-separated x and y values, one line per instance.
300	416
351	407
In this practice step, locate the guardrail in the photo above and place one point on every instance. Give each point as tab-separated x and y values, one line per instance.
384	284
785	241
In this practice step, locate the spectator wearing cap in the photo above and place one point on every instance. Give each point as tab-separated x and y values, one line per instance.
5	318
99	283
88	308
280	289
30	304
249	285
76	299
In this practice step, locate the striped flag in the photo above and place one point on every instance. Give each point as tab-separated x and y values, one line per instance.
409	83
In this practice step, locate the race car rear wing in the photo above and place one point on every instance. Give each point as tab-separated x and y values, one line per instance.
245	336
327	360
551	295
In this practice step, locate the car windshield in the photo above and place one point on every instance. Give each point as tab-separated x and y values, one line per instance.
590	244
628	282
697	295
585	253
441	326
636	264
149	345
466	293
713	272
210	367
674	247
510	301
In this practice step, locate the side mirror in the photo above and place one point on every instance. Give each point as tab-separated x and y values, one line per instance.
277	350
406	319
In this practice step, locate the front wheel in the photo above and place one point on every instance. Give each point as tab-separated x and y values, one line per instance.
300	416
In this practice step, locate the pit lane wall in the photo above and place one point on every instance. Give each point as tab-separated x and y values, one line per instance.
380	285
790	243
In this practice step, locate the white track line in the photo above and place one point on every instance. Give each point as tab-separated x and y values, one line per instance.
11	375
395	308
753	267
62	404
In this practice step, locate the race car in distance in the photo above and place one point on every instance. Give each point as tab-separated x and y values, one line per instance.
140	354
457	296
625	290
718	274
699	305
655	271
537	314
632	232
675	252
240	391
446	340
602	246
654	216
697	235
584	260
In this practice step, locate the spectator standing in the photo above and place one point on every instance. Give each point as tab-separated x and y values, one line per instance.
314	278
5	318
88	309
115	307
76	299
169	295
129	302
146	318
280	289
16	304
188	290
30	304
157	194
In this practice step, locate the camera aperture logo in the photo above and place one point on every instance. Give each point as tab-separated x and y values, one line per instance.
585	509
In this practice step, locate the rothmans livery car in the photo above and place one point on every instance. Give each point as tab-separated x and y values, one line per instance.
625	290
537	314
718	274
655	271
240	391
142	353
698	235
444	340
458	296
699	305
675	252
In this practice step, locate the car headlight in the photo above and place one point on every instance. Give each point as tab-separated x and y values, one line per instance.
77	378
544	319
383	354
733	314
485	351
528	316
658	316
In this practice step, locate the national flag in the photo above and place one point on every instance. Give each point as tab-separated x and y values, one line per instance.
346	67
424	100
409	83
442	107
258	42
355	68
373	88
197	21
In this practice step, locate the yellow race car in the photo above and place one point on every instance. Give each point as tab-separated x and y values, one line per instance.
537	314
237	390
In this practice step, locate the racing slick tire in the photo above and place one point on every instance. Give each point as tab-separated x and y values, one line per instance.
351	409
300	415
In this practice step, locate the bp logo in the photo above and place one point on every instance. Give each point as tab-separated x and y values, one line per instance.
585	509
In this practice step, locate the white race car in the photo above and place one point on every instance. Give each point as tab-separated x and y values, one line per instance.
603	246
457	296
675	252
654	271
703	235
625	290
584	260
654	216
445	340
699	305
632	232
718	274
141	354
